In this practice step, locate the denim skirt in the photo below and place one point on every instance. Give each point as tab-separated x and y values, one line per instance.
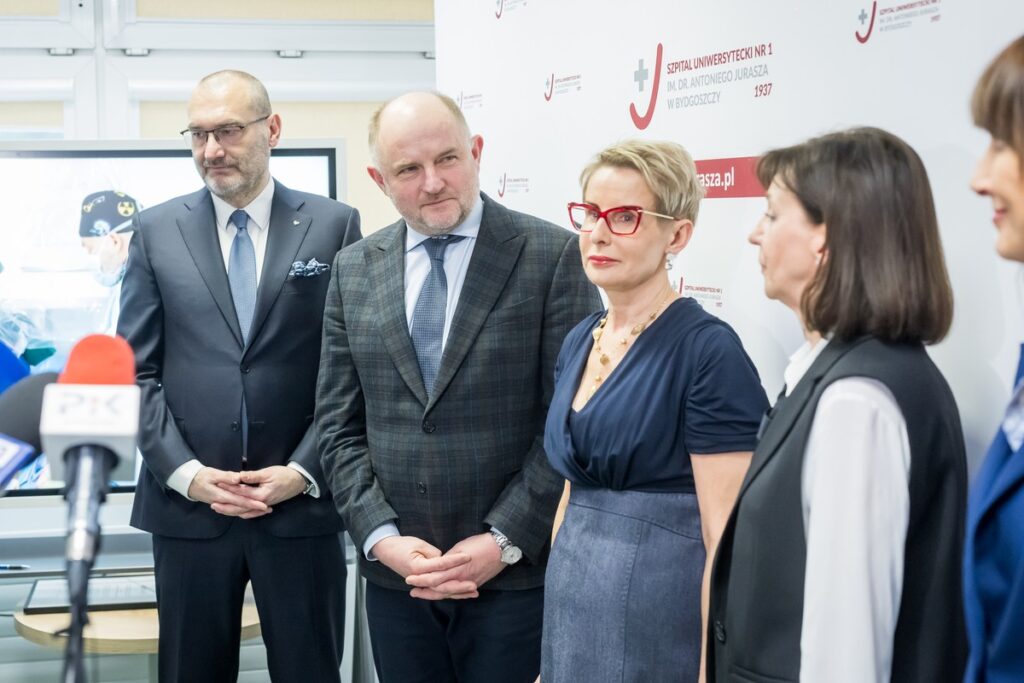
622	590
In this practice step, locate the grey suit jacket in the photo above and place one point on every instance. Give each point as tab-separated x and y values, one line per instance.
193	367
471	456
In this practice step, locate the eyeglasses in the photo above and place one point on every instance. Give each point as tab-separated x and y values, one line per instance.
229	134
621	220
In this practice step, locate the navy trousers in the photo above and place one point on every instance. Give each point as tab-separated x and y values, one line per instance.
494	638
299	588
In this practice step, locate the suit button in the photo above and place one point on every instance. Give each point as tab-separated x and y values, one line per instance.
719	631
234	426
421	487
429	427
246	369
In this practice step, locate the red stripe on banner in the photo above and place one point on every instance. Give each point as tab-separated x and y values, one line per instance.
729	178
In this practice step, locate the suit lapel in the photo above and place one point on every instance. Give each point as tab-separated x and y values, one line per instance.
385	264
1008	475
789	409
1002	470
494	256
199	230
288	229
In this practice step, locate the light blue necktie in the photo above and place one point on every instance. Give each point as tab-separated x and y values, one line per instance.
428	316
242	272
242	278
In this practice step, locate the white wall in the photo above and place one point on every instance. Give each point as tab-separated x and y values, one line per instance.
913	75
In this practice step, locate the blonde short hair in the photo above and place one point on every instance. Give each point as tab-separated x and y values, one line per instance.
666	167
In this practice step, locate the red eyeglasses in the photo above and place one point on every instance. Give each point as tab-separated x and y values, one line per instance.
621	220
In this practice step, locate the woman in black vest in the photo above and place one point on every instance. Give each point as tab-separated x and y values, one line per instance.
840	561
994	554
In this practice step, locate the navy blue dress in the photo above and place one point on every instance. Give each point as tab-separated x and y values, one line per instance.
622	591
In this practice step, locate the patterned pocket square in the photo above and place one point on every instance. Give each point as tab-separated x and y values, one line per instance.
311	269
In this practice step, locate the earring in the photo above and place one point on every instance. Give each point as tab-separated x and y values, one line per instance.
668	261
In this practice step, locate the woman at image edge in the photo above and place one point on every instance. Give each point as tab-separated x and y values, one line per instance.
840	562
652	422
994	553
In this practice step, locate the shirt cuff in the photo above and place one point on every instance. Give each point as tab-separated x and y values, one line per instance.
379	534
315	491
181	478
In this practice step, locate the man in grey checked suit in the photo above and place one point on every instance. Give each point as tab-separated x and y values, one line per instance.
440	337
222	303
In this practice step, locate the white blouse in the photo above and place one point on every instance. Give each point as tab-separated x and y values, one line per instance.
856	507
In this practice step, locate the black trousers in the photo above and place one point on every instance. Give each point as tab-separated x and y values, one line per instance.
494	638
299	587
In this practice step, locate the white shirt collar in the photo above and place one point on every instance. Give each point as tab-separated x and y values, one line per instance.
258	209
468	228
800	362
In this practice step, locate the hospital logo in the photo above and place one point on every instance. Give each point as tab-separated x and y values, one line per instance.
896	17
503	7
646	88
562	85
467	101
512	185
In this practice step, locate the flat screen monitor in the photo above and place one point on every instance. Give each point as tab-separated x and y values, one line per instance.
53	291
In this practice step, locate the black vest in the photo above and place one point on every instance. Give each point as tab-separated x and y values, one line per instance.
757	582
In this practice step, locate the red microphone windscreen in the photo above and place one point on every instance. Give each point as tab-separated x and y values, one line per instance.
99	359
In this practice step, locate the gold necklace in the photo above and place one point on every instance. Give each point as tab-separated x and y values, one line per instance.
634	332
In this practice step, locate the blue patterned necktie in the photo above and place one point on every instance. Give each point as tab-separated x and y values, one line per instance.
428	316
242	272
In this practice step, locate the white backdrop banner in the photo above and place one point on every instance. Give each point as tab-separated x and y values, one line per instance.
548	83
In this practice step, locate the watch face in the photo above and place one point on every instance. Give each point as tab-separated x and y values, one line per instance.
511	555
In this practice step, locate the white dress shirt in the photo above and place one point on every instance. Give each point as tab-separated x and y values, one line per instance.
856	506
417	267
258	228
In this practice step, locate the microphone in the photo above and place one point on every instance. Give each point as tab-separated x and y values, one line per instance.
89	423
20	406
95	402
90	419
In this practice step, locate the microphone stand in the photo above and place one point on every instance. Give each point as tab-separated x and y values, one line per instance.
88	468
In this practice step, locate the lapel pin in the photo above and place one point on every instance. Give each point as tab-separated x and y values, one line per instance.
296	221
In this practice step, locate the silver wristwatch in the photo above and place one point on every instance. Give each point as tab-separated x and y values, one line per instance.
510	554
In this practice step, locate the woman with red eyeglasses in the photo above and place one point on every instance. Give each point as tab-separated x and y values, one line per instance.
653	419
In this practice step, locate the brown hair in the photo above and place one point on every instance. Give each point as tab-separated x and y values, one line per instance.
667	168
884	274
998	101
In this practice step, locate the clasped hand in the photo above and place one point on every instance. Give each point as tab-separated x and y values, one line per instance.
248	494
457	574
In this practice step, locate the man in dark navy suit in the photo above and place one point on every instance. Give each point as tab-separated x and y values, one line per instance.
222	303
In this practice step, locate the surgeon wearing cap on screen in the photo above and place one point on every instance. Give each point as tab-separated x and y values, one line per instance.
106	231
